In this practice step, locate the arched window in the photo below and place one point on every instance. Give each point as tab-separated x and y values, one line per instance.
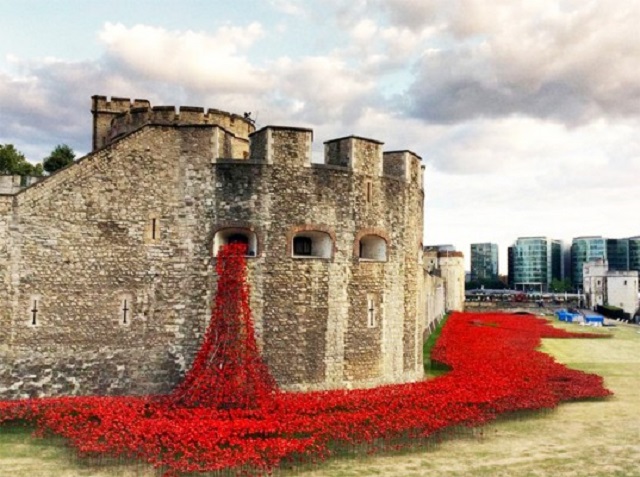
302	245
312	244
373	247
235	235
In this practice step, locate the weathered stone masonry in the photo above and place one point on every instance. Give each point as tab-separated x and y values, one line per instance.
108	266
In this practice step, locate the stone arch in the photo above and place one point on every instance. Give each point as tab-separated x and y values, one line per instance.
371	245
320	239
236	231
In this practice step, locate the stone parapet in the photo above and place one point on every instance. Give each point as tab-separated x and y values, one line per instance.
120	116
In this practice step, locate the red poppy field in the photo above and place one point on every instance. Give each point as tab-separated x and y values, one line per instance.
228	414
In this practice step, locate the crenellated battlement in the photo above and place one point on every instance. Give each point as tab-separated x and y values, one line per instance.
120	116
359	153
282	144
404	165
292	146
116	105
288	145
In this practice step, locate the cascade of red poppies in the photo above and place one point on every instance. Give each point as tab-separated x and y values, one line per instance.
219	425
228	371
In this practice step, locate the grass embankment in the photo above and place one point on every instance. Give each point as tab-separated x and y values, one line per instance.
433	368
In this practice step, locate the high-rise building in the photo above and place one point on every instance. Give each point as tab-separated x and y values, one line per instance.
634	253
534	262
484	262
618	254
585	249
511	261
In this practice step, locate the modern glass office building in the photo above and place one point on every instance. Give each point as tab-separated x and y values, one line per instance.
624	254
634	253
618	254
585	249
534	262
484	262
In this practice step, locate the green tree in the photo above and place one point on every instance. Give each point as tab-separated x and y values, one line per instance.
61	156
13	162
560	286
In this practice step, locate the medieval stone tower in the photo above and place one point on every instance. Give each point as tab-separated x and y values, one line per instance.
108	266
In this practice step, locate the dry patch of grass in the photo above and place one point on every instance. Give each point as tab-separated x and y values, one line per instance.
580	439
24	456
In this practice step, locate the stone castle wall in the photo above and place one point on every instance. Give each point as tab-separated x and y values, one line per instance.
316	334
451	265
80	244
108	265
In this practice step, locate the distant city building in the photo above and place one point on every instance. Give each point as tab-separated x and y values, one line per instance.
511	274
618	254
603	286
594	282
484	262
583	250
624	254
531	259
634	253
446	247
534	262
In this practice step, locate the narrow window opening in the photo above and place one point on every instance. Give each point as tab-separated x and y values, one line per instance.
154	229
125	311
34	313
371	312
369	191
302	246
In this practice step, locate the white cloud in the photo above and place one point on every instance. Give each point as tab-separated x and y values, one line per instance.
40	106
192	60
329	89
364	31
533	58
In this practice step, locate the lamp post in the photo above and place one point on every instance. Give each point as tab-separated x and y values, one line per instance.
579	296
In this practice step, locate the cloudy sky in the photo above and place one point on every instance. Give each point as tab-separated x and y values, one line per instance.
526	113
